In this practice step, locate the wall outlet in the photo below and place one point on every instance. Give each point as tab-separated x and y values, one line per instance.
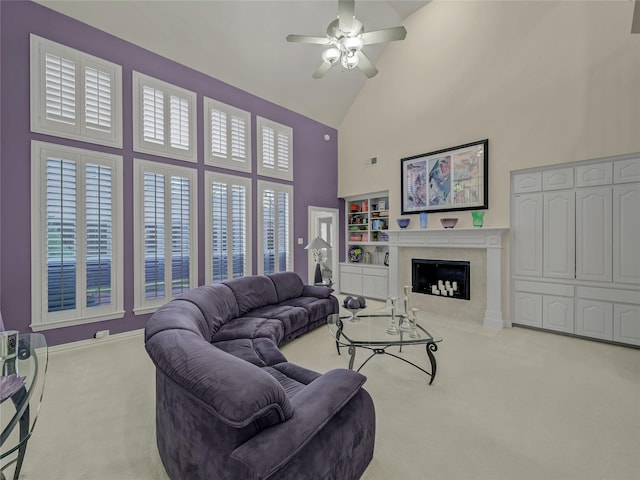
101	334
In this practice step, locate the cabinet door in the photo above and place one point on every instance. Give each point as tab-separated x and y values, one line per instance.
528	309
557	179
374	286
559	234
626	324
557	313
527	234
351	283
594	174
594	319
625	171
626	233
527	182
593	234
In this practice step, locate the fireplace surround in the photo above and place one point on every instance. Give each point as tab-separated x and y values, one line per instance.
478	242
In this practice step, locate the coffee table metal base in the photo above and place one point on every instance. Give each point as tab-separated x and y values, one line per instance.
429	347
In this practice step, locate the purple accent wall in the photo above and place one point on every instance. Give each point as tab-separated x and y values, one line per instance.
315	160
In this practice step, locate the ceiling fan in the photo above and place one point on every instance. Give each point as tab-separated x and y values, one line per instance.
345	39
635	23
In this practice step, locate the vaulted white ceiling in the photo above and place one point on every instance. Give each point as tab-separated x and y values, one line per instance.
243	43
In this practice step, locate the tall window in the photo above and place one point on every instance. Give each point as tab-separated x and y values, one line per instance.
76	240
275	242
227	136
228	227
275	149
165	233
164	119
75	95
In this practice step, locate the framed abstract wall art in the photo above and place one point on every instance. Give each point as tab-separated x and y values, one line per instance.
451	179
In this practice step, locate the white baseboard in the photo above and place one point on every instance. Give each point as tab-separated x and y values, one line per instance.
92	342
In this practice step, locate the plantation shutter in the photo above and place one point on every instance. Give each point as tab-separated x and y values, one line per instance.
153	115
283	232
154	236
61	227
180	234
218	133
99	234
97	99
60	80
275	149
239	228
179	122
219	203
283	152
268	147
238	138
268	230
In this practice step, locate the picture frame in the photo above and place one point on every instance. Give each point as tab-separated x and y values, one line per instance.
451	179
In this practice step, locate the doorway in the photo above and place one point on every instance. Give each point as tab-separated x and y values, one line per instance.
323	223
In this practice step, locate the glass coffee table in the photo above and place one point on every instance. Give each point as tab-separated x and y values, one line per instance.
371	332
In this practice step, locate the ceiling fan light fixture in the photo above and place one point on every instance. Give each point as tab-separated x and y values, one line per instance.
350	61
331	55
353	44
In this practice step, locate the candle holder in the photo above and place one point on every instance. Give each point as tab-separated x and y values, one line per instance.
414	319
393	328
405	325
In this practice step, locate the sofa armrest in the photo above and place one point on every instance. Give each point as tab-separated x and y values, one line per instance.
313	407
317	291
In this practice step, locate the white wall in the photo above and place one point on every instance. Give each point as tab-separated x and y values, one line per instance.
545	81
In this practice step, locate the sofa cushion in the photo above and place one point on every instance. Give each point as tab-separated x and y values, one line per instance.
217	303
178	315
251	327
316	291
293	318
236	390
252	292
260	352
317	308
288	285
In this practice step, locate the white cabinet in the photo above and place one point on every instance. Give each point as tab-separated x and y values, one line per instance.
575	246
557	313
528	309
626	324
594	234
371	281
594	319
527	236
626	232
559	234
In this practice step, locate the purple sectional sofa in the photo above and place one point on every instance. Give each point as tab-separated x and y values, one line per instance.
230	406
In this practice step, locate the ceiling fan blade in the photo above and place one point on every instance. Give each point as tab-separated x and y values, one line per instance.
345	14
322	69
366	66
635	24
386	35
307	39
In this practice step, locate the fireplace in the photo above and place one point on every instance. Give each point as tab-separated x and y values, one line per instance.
446	278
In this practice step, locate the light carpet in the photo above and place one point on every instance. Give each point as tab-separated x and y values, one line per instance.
511	404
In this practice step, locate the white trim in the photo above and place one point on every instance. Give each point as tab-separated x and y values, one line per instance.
141	304
209	178
279	129
40	317
70	323
39	48
230	162
94	342
164	150
276	187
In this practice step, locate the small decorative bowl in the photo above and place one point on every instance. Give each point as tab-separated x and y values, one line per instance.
403	222
448	222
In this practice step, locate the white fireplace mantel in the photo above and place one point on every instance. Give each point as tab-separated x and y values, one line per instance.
489	239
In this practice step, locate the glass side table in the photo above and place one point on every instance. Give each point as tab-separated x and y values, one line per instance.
23	377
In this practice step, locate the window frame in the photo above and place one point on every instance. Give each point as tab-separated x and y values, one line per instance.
140	167
42	319
246	182
140	145
278	188
278	128
39	48
228	161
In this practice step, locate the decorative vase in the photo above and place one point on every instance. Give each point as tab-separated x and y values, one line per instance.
423	220
478	218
